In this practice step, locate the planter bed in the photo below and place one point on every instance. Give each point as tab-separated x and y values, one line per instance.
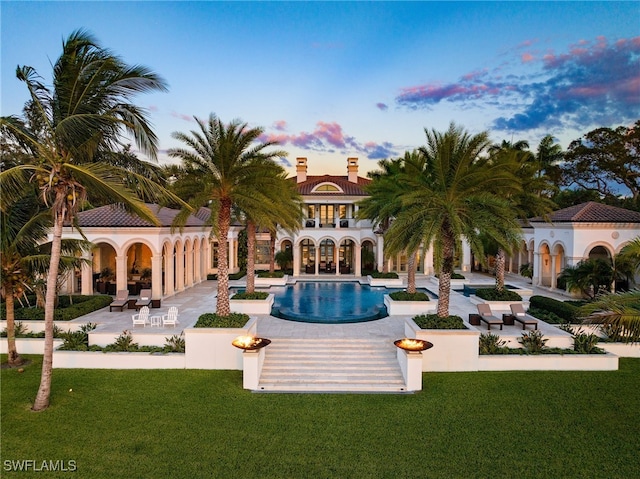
548	362
453	349
408	308
388	282
100	360
252	306
28	345
138	334
37	325
271	281
210	348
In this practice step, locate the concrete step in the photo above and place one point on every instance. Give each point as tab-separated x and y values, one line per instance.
331	365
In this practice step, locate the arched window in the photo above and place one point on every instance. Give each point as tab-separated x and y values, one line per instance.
327	187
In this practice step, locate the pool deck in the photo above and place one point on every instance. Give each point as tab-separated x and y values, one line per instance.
201	298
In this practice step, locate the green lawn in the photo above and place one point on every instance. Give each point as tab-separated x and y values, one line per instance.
190	424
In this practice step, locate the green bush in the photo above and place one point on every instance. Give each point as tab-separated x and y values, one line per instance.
77	340
533	342
585	343
492	294
212	277
212	320
405	296
546	316
433	321
240	274
67	309
254	295
378	275
492	344
565	310
454	276
268	274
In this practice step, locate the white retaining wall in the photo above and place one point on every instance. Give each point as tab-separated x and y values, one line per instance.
408	308
28	345
100	360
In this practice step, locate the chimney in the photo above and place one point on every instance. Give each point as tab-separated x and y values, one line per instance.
352	169
301	169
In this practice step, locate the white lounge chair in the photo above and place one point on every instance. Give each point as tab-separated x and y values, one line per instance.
142	317
171	317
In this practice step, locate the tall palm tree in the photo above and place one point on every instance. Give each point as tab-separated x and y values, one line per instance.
84	113
230	165
451	197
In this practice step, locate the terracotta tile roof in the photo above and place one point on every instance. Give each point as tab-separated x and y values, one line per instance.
349	188
591	212
116	216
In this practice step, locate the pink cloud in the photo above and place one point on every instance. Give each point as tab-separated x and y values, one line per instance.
526	57
182	116
527	43
153	108
382	106
280	125
474	75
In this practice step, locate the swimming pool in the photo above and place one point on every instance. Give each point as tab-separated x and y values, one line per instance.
331	302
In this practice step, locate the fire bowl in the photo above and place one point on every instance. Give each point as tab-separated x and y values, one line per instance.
250	343
409	344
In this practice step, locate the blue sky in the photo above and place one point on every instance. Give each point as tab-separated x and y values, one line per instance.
341	79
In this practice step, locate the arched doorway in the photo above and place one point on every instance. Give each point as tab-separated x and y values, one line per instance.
307	256
104	269
346	256
327	256
367	256
138	268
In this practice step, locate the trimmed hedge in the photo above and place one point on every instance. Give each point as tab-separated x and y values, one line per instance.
65	311
254	295
240	274
212	320
492	294
404	296
453	276
267	274
565	310
433	321
378	275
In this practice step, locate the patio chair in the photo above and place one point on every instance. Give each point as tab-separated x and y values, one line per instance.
144	299
142	317
484	310
520	315
122	299
171	317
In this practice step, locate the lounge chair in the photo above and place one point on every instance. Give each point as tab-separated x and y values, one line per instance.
122	299
171	317
484	310
520	315
142	317
144	299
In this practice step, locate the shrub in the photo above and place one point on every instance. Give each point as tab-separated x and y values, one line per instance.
268	274
532	342
565	310
454	276
378	275
405	296
546	316
175	344
616	334
492	294
526	270
77	340
212	320
492	344
67	309
585	343
254	295
212	276
433	321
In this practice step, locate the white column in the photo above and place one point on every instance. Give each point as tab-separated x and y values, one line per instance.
317	265
296	260
379	252
358	265
180	269
554	280
121	272
466	256
169	285
189	272
156	276
428	261
87	275
537	268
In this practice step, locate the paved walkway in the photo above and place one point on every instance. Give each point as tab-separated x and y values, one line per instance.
201	298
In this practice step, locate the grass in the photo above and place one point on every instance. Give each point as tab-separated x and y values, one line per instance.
195	423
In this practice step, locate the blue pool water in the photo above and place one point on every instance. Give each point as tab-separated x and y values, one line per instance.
330	302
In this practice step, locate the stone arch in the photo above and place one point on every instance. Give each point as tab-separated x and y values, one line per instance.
544	264
599	250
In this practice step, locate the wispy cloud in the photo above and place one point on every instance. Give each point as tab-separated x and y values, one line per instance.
330	137
594	82
382	106
182	116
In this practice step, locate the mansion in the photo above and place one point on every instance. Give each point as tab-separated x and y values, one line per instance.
132	254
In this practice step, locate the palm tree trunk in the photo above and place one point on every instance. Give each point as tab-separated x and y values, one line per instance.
272	251
14	358
251	257
224	220
411	277
500	267
44	391
444	285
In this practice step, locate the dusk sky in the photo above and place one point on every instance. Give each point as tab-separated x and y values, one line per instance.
344	79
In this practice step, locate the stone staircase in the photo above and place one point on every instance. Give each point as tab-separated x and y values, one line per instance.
331	365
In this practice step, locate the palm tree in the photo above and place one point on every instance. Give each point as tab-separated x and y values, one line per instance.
277	203
83	114
590	276
449	195
630	254
383	202
231	169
